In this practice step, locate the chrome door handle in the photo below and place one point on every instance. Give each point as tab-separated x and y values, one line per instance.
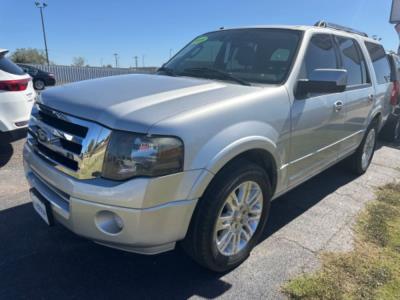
371	97
338	105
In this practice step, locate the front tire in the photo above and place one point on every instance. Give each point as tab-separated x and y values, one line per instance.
230	217
361	159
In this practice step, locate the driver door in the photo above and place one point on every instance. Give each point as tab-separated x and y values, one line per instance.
317	119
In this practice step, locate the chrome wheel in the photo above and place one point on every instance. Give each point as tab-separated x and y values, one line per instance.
368	149
238	218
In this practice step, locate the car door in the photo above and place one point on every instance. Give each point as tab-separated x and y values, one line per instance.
359	96
316	120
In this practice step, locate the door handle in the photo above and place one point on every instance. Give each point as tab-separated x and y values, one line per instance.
338	105
371	97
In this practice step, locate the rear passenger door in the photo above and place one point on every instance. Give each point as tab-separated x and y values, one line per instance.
316	122
381	67
359	95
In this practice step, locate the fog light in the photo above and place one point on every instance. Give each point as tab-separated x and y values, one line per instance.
109	222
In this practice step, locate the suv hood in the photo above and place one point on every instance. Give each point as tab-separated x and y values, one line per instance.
136	102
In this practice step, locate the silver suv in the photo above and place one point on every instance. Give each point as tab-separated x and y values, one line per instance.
197	152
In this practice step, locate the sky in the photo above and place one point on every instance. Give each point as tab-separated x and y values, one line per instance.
153	30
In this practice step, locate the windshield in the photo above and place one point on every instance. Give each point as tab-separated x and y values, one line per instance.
252	55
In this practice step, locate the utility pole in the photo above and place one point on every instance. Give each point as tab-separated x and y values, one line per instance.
116	59
41	5
143	60
136	61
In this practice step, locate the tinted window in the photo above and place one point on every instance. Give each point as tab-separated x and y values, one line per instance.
8	66
320	55
394	67
254	55
380	62
352	61
208	53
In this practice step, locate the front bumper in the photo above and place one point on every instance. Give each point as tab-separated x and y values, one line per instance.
154	213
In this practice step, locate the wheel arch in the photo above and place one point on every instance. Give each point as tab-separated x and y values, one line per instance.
258	150
377	117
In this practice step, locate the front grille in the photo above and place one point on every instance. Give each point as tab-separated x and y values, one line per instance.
72	145
55	156
49	119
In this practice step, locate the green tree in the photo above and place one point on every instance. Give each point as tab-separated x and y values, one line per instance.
29	55
78	61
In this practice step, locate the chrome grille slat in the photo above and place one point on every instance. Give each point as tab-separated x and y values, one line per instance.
78	155
56	147
58	165
56	132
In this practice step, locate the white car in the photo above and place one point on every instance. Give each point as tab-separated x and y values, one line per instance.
16	95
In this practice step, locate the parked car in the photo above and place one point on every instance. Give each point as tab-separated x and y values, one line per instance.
41	78
16	95
391	130
195	153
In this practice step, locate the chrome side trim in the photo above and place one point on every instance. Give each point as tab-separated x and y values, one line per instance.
321	149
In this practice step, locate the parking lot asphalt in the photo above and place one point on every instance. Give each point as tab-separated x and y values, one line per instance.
38	262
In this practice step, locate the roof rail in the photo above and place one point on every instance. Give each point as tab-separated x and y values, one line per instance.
324	24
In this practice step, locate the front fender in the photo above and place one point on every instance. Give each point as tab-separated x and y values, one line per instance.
231	142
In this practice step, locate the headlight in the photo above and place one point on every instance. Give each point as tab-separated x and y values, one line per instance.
130	155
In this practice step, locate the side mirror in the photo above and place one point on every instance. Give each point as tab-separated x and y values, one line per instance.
324	81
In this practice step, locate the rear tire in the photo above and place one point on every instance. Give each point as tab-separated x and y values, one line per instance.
39	84
223	232
361	159
391	130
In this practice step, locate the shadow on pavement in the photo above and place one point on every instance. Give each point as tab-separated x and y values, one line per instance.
51	263
6	149
293	204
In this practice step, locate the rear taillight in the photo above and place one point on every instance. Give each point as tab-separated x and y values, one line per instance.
394	97
14	85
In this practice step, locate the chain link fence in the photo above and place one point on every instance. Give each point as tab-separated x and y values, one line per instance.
66	74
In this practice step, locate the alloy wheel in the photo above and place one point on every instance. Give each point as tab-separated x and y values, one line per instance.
238	218
368	149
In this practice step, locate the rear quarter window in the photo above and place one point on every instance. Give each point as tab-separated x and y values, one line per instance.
379	61
8	66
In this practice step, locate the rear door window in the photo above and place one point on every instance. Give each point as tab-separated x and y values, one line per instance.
352	61
8	66
379	61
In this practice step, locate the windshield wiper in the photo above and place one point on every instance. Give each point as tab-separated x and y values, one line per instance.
215	73
167	71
